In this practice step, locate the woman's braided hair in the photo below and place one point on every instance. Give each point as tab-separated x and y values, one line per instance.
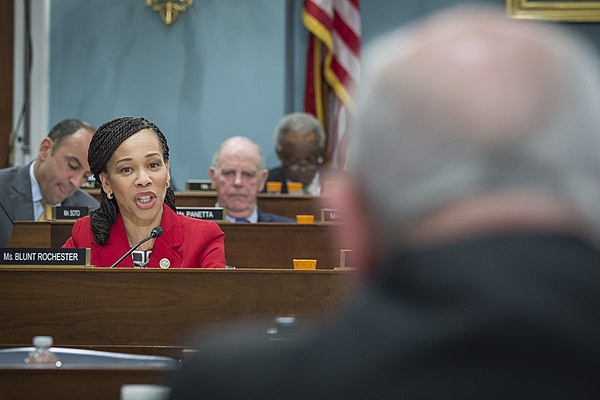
105	142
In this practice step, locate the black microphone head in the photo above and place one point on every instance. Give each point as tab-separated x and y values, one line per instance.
156	232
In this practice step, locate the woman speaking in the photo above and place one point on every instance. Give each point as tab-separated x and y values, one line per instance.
130	158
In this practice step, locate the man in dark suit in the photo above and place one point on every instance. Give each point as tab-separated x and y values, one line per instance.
238	175
53	178
299	144
474	214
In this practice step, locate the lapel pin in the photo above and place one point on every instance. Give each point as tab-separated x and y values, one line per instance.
164	263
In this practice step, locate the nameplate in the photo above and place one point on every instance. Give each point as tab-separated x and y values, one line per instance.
347	259
69	212
73	257
198	185
209	213
91	183
329	215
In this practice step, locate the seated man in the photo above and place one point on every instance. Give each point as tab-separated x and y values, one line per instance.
474	215
53	178
299	144
238	175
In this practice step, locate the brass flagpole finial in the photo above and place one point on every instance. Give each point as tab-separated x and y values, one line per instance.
169	10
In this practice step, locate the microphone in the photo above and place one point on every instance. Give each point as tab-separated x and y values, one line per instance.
156	232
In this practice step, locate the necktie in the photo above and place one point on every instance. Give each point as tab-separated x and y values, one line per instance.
47	214
241	221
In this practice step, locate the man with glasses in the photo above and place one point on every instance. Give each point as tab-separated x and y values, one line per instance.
53	178
238	175
299	144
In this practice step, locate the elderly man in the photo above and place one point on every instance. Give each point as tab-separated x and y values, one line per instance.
299	144
475	211
54	178
238	175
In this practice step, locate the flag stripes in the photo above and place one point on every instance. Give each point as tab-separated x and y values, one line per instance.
335	26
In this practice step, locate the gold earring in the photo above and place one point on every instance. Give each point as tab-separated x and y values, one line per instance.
109	195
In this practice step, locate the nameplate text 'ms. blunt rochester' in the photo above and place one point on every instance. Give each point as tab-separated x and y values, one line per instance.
34	256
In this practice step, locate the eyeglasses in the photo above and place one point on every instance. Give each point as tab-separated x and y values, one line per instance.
307	163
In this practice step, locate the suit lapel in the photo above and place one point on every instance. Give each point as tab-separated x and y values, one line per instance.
20	197
164	256
70	201
166	248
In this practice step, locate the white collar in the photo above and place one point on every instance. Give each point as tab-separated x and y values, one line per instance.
252	218
36	192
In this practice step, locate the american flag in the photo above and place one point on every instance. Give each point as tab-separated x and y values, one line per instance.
332	70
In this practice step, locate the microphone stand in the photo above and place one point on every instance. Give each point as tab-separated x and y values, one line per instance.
156	232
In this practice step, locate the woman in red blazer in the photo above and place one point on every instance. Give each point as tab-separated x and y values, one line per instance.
130	157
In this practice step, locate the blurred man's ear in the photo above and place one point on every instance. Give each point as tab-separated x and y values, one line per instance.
45	148
212	173
264	174
356	230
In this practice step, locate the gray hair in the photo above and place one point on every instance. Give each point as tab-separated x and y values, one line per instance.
241	141
430	133
300	122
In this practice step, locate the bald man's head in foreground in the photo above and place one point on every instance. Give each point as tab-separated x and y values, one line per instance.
473	201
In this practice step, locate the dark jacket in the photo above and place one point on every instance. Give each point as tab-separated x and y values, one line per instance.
277	175
17	200
268	217
505	317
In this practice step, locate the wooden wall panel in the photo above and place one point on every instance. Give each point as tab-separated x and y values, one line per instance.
266	245
156	311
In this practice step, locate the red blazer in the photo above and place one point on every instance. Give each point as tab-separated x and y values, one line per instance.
185	243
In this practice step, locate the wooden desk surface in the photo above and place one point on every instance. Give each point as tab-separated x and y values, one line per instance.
74	383
154	311
286	205
246	245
